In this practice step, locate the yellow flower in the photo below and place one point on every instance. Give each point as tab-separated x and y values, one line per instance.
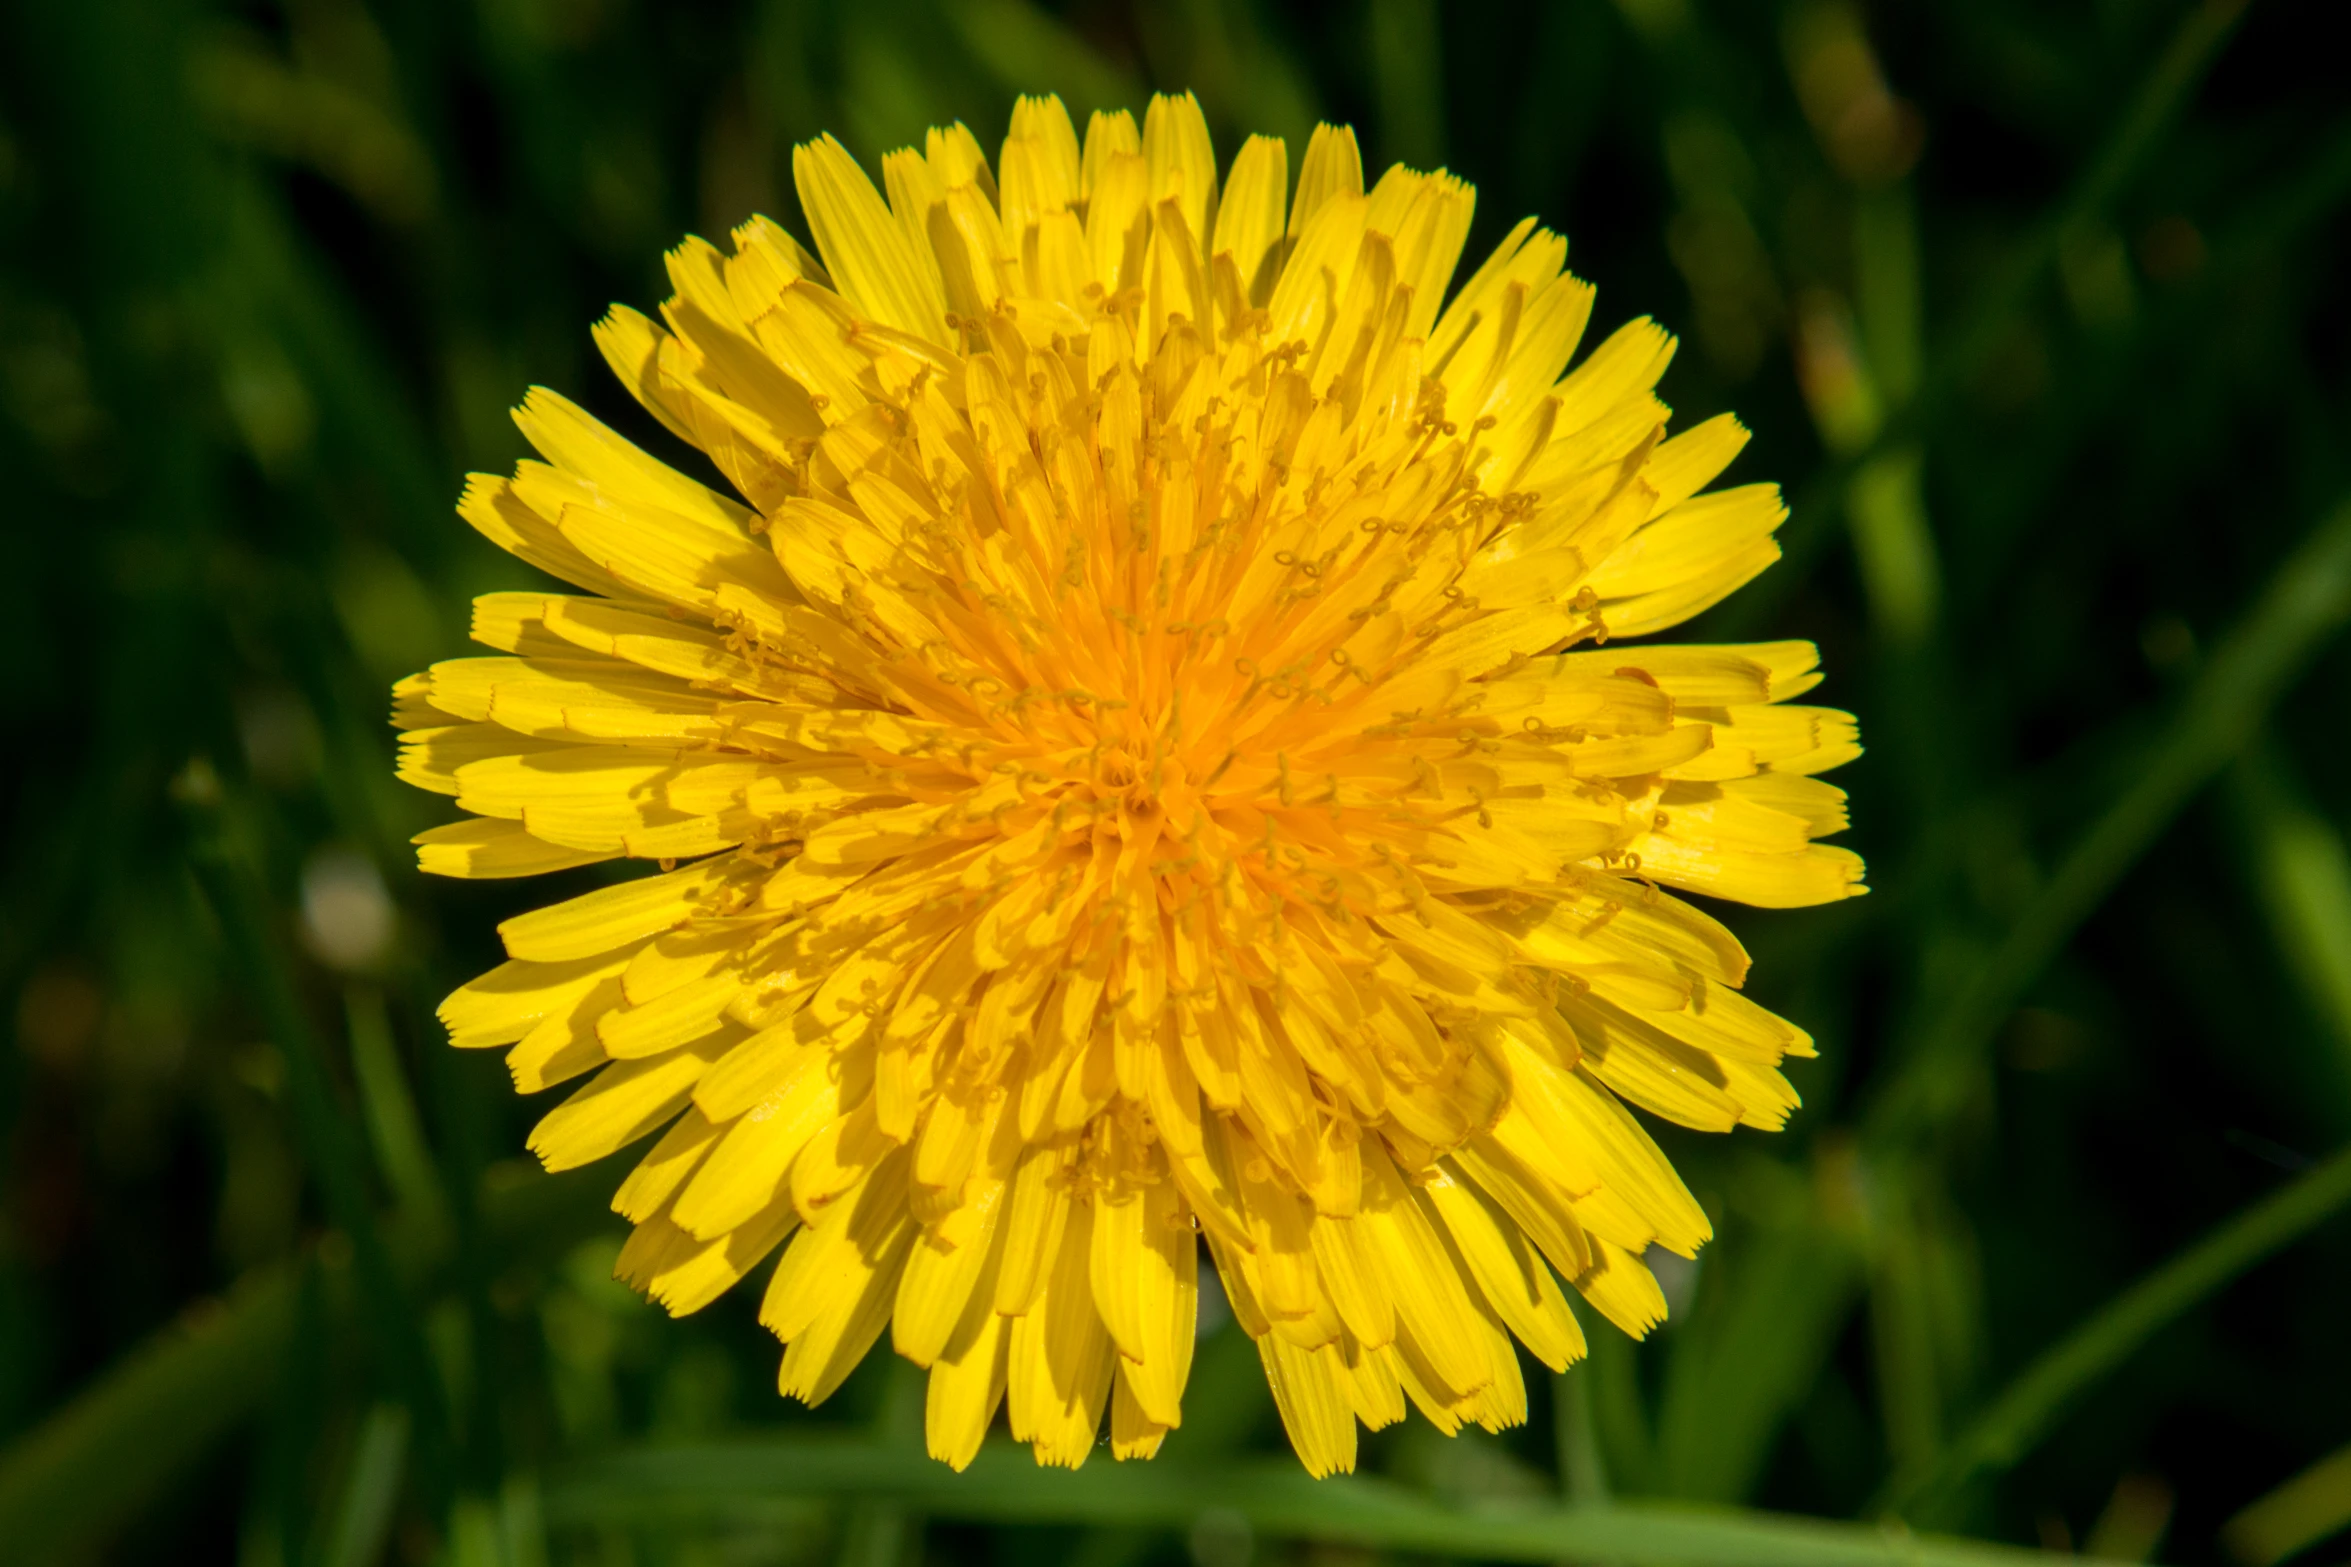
1152	762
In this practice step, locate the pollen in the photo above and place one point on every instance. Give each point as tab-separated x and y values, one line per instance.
1148	764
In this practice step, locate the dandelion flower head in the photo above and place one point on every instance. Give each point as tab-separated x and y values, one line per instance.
1145	758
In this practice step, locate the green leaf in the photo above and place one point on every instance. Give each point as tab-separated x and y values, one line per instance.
742	1482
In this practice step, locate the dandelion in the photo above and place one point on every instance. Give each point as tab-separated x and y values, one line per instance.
1145	758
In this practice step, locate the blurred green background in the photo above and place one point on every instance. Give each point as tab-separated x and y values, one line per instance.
2037	310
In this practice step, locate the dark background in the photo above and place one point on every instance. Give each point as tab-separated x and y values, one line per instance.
2037	310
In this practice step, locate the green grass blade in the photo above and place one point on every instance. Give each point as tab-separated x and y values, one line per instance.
389	1108
744	1482
2032	1404
2302	875
153	1413
1583	1470
330	1144
2304	604
1923	1318
1893	543
1770	1304
2161	96
364	1515
90	1465
1620	1410
2165	91
2302	1512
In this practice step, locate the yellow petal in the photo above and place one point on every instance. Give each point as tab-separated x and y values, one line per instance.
871	255
1133	1434
506	1003
1144	1264
830	1296
1249	221
1683	466
945	1275
614	916
966	1385
1624	1291
688	1274
1179	161
1040	1204
1420	1275
1512	1279
746	1170
1058	1373
659	1174
1109	133
485	847
624	1102
569	437
493	509
1332	167
1040	163
1118	220
1314	1406
631	344
685	1014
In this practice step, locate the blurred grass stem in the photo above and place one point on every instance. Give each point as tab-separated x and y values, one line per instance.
329	1143
1885	498
389	1108
1583	1472
2161	96
2305	602
79	1474
363	1517
2034	1402
157	1409
2298	1514
2302	878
